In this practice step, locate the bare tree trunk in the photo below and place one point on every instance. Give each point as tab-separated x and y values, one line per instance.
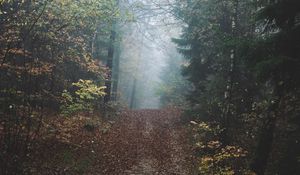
94	44
266	138
227	111
115	73
109	64
132	100
110	61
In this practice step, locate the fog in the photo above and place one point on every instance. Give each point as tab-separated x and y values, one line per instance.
145	47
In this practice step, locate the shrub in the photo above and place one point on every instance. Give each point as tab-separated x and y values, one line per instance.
215	158
85	98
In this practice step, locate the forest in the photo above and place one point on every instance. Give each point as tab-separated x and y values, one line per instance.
150	87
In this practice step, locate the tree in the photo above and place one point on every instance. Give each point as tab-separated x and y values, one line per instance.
279	66
46	46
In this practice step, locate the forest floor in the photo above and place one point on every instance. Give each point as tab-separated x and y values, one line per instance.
139	142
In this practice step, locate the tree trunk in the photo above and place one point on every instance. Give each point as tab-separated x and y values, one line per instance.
109	64
227	111
264	146
115	73
110	60
265	142
132	100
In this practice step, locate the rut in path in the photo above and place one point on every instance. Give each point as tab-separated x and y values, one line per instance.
147	142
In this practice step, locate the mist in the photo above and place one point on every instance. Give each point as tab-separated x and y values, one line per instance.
145	49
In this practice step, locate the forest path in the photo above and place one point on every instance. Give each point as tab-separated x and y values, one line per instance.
147	142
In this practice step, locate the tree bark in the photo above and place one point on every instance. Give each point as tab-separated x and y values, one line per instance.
109	64
227	111
110	60
115	73
266	138
132	99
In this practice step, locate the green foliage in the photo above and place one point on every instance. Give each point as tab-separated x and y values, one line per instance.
86	97
45	46
243	63
174	86
88	90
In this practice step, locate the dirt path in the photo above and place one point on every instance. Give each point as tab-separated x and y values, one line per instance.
147	142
